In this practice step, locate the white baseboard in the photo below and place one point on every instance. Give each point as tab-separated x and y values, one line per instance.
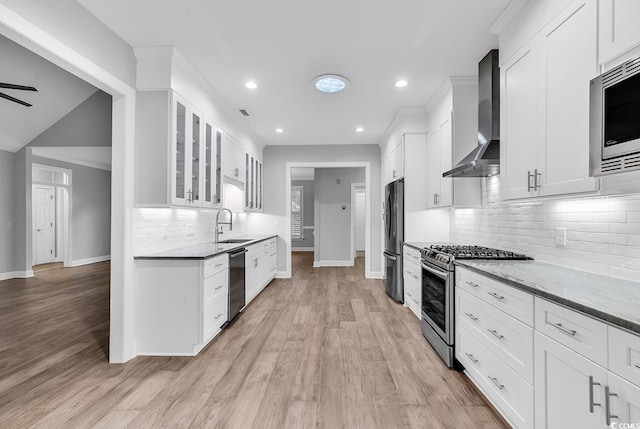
282	275
346	263
16	275
302	249
88	261
376	275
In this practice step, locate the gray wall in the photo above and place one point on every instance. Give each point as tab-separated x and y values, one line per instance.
90	209
333	224
275	159
6	212
89	124
308	197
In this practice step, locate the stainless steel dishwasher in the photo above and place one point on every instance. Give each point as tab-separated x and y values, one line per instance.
236	283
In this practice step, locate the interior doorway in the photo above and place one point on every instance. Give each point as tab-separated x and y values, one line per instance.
358	218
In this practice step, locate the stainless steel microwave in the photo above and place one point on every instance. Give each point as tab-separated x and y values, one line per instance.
614	120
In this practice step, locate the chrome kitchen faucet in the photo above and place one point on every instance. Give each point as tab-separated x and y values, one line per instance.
219	224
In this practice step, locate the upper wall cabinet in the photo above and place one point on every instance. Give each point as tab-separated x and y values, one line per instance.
393	160
177	158
453	134
232	158
619	27
545	107
252	183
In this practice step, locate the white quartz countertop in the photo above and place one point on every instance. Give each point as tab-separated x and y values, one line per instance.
613	300
205	250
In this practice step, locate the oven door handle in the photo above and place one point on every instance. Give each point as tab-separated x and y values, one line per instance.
442	274
390	256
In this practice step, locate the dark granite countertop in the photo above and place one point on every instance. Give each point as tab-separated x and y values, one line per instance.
613	300
205	250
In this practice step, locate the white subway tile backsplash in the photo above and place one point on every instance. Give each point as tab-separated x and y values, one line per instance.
603	234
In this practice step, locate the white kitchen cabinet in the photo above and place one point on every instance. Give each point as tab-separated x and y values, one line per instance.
233	159
565	387
253	183
181	304
545	108
619	28
393	162
453	134
412	279
261	265
175	153
212	166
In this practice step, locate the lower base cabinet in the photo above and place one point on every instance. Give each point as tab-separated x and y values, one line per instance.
261	265
181	304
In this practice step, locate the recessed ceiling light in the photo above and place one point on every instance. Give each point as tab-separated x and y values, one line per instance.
251	85
359	130
330	83
401	83
279	130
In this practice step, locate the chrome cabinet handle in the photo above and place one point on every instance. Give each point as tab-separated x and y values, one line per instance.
607	405
559	326
496	334
473	285
219	265
496	296
218	316
637	365
471	316
536	186
591	403
219	287
472	358
529	176
496	382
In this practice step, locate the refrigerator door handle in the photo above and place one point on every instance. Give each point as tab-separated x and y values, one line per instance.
390	256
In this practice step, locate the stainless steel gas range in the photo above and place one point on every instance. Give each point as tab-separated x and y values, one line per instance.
438	285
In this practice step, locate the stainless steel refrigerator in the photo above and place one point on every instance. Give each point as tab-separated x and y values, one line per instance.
393	238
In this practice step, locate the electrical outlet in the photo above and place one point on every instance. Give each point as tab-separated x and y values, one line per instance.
276	225
561	236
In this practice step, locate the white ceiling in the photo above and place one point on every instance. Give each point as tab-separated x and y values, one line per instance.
283	44
59	92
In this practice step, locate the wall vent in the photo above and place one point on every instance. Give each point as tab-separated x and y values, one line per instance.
244	112
631	162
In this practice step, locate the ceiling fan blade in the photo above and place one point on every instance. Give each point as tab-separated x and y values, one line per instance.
15	100
20	87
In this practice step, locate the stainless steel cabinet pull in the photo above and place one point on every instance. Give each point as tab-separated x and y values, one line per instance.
529	176
559	326
637	365
607	405
473	285
591	403
471	316
218	316
496	296
536	186
472	358
496	334
496	382
219	287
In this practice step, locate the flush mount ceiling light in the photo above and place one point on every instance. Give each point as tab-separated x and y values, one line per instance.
251	85
279	130
359	130
401	83
330	83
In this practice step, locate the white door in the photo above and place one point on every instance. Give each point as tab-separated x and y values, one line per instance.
45	224
360	218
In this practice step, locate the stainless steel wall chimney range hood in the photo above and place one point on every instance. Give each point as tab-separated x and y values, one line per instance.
484	160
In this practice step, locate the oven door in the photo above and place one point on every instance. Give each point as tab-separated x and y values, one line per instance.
437	300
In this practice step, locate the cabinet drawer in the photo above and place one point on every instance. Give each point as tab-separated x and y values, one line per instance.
268	243
510	340
509	392
214	317
214	286
214	265
411	270
624	354
578	332
412	254
512	301
412	295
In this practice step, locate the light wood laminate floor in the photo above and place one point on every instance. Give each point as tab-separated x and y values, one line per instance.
326	348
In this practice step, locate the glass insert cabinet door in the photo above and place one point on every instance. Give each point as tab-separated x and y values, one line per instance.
194	192
180	151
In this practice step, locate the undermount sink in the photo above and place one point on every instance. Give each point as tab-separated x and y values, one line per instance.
233	241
